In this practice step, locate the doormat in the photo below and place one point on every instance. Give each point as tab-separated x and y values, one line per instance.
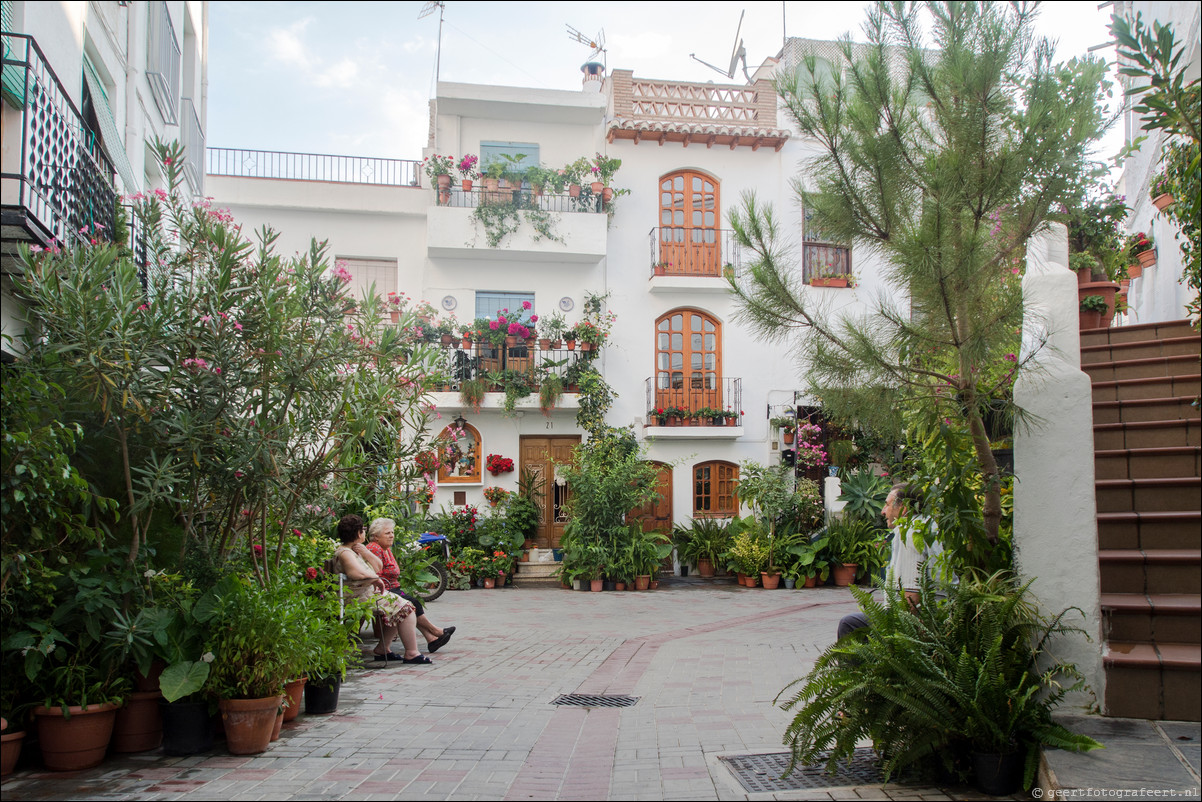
593	700
762	773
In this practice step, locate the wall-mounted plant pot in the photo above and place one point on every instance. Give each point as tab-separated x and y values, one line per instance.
1147	258
828	281
1162	201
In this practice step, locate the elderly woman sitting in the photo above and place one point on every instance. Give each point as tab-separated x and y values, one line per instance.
397	615
380	536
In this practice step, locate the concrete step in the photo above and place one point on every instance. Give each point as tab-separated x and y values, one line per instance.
1148	495
1147	434
1148	617
1148	463
1157	681
1154	367
1151	387
1150	530
1139	410
1169	329
1141	349
1158	571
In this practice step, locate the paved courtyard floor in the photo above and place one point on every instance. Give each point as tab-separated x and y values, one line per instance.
705	659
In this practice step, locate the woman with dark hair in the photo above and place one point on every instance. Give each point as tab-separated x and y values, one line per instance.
396	615
381	533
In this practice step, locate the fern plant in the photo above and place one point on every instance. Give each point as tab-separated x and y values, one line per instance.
928	685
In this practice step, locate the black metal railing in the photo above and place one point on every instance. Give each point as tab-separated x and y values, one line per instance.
523	198
696	400
709	252
62	186
495	365
192	137
240	163
163	62
824	259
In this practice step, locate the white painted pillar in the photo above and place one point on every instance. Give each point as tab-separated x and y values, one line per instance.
1055	509
831	492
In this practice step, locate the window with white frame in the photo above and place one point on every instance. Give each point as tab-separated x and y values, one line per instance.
365	272
489	303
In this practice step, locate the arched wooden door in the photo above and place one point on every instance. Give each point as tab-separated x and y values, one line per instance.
688	360
689	220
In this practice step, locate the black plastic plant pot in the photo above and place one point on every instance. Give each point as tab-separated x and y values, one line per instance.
998	773
187	729
321	695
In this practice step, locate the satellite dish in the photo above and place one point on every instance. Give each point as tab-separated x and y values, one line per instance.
737	52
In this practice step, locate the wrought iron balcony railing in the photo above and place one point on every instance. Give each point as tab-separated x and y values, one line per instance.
499	365
521	198
275	164
678	251
696	400
61	185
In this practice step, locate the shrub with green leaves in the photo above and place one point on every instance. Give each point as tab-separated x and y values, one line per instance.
968	669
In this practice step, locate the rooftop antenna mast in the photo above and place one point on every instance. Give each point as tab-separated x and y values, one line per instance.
426	11
737	53
597	43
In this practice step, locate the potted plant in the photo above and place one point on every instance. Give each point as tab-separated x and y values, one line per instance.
1161	191
495	495
438	169
810	565
251	663
1143	247
552	327
467	170
786	424
471	392
491	175
1093	314
604	168
854	546
550	390
647	552
706	542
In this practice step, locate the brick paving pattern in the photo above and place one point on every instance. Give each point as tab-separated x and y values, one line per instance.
705	658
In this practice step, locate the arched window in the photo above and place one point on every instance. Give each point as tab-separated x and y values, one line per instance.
459	455
714	486
688	360
689	219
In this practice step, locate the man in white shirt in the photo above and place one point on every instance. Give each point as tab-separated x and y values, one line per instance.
905	559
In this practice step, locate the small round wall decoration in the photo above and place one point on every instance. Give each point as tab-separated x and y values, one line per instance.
566	304
449	302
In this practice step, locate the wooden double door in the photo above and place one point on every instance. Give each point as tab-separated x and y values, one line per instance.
541	455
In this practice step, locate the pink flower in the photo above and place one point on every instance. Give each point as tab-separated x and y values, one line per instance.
534	318
492	324
527	305
258	549
206	318
312	574
238	474
297	532
1011	358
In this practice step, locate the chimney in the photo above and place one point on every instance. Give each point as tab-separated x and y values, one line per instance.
594	75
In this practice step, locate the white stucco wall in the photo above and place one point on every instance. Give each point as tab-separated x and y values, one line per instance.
1055	510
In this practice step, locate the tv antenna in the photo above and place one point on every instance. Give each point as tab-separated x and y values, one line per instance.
426	11
738	52
597	43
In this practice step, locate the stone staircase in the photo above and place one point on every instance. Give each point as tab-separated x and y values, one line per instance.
1148	463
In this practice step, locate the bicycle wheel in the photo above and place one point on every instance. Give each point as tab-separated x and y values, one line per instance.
433	590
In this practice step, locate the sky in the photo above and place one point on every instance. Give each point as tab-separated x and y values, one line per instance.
355	78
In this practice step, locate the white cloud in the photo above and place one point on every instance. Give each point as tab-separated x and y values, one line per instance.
286	45
343	75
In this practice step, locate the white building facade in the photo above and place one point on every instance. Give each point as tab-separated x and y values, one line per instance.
87	88
689	153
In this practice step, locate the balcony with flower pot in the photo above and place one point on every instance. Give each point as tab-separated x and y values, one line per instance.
825	264
701	407
695	259
523	377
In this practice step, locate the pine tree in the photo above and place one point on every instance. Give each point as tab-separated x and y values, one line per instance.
943	157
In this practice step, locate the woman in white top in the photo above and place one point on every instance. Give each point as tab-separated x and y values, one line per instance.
396	614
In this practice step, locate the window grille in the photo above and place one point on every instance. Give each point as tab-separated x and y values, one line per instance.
365	272
163	62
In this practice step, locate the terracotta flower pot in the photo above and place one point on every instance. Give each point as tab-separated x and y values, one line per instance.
654	584
293	693
844	574
596	585
467	185
770	581
642	581
705	567
1147	258
444	182
574	190
596	187
788	437
79	742
489	582
249	723
1162	201
619	586
811	582
607	194
139	724
10	750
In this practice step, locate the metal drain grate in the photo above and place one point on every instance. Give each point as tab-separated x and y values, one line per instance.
761	773
593	700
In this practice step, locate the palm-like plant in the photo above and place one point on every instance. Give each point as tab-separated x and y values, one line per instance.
932	683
